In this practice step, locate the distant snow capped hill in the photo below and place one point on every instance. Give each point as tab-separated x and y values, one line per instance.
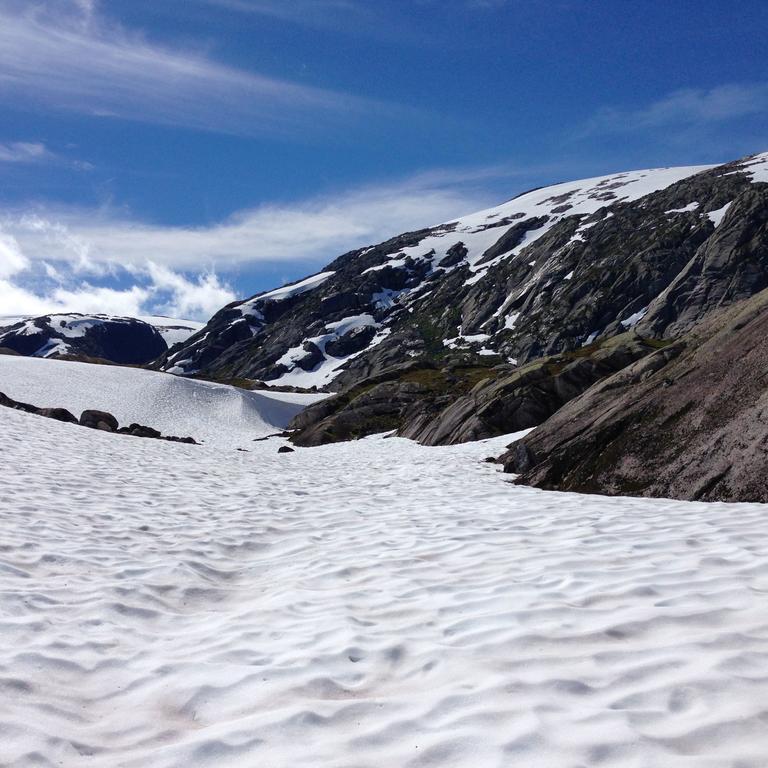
124	340
544	273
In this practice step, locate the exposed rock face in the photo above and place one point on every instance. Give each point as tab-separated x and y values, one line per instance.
730	266
121	340
525	397
463	402
689	421
544	274
375	405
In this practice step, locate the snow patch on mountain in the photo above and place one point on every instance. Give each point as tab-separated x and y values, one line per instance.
405	271
685	209
717	216
251	307
324	371
77	326
479	231
757	167
635	318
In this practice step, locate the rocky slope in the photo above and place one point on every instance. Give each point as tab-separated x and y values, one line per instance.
123	340
546	273
689	421
458	402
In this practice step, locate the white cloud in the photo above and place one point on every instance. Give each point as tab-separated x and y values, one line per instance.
88	298
312	12
15	300
160	292
66	257
23	152
12	260
65	57
316	230
686	107
189	298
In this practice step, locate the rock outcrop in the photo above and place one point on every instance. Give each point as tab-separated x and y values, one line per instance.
526	396
463	402
689	421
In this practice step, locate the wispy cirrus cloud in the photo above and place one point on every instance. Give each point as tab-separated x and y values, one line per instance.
24	152
37	153
689	106
309	12
65	56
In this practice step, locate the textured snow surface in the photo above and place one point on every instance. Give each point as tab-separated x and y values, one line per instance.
215	413
364	605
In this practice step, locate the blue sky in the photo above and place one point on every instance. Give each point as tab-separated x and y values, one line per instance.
169	155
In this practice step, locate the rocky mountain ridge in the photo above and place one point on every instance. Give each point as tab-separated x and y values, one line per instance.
547	273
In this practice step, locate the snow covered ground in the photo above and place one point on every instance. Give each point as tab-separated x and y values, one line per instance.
364	605
214	413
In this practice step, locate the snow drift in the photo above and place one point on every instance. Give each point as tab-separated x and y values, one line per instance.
213	413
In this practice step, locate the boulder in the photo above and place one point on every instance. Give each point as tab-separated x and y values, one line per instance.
312	357
99	420
353	341
139	430
60	414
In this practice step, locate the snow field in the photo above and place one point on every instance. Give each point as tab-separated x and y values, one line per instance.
367	604
213	413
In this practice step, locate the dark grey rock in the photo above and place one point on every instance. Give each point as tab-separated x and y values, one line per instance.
60	414
351	342
99	420
312	357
